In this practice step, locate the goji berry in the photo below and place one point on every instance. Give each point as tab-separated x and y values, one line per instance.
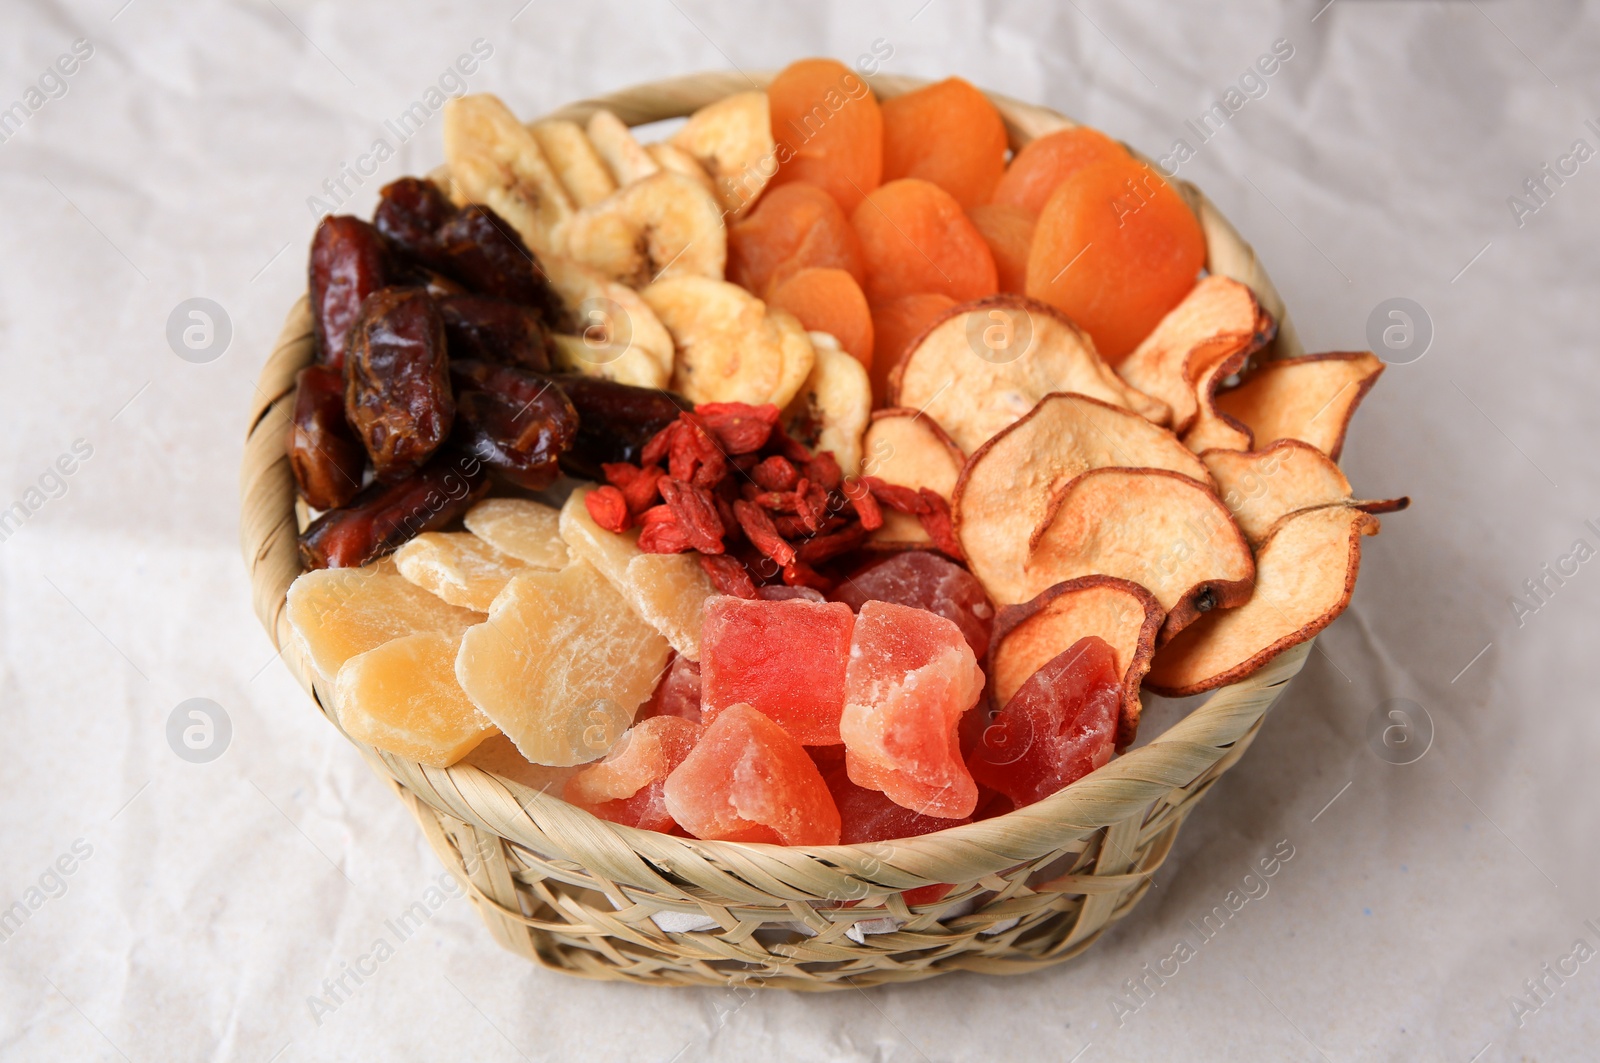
896	497
659	445
935	520
866	507
822	548
800	574
696	513
728	576
609	508
824	469
740	428
762	534
776	473
660	532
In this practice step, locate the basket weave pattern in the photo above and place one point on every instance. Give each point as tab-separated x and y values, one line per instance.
576	893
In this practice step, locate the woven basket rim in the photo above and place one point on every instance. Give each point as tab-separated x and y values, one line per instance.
271	518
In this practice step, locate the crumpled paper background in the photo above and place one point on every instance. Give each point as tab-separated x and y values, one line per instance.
207	902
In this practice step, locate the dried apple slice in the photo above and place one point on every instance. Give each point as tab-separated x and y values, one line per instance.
831	409
659	226
732	139
1217	319
1212	429
520	527
562	664
624	156
402	697
1310	398
731	346
582	171
1305	573
1028	636
495	160
1262	487
908	448
459	567
336	613
618	336
986	363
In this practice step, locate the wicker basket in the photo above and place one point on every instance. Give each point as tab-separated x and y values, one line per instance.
577	894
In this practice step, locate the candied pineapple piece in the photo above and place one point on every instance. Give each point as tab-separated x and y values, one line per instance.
403	697
457	566
562	664
670	591
522	528
336	613
605	550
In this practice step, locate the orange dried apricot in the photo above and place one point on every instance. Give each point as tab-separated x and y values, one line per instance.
829	300
1115	249
948	133
792	228
827	129
916	238
1008	230
1042	164
895	323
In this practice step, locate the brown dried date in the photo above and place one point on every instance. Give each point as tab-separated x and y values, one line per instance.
324	453
397	389
349	261
410	211
615	421
516	422
487	329
383	516
481	250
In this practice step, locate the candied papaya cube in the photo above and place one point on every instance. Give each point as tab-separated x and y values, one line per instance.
785	658
336	613
748	780
402	697
870	816
457	566
678	692
1058	727
911	677
925	580
520	527
562	664
626	787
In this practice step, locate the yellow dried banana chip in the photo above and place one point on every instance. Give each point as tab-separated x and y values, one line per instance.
732	139
582	171
664	225
495	160
831	409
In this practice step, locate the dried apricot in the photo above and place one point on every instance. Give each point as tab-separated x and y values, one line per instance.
915	238
1008	230
793	227
829	300
948	133
895	323
1043	163
827	129
1115	249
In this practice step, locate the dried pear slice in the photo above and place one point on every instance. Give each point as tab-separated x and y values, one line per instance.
336	613
1262	487
623	154
986	363
908	448
664	225
402	697
495	160
1305	573
459	567
1029	635
1212	429
731	346
1310	398
1217	319
582	171
618	336
831	410
524	529
732	139
562	664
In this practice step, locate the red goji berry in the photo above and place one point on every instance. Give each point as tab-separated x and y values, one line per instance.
758	528
816	550
660	532
609	508
740	428
866	507
659	445
811	503
935	520
800	574
776	473
696	513
728	576
897	497
824	469
781	442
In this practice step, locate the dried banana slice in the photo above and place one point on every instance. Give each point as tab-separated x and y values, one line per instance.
731	346
676	160
833	406
732	139
619	337
495	160
582	171
662	226
625	156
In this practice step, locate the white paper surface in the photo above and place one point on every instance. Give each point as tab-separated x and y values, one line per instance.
209	902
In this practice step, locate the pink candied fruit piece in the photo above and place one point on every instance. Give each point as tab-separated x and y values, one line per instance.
626	787
911	676
869	816
678	693
748	780
786	659
1058	727
927	581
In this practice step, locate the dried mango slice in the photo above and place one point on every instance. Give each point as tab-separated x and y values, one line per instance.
459	567
908	448
1218	318
562	665
336	613
663	225
670	591
403	697
1305	573
522	528
1030	635
618	337
831	410
1310	398
732	140
582	171
731	346
495	160
615	143
985	364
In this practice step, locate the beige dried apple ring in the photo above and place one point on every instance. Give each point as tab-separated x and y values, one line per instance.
1262	487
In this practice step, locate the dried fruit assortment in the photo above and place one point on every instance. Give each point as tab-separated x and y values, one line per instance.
847	479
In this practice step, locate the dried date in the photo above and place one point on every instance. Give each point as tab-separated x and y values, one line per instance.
383	516
325	455
410	211
349	261
615	421
516	422
481	250
487	329
397	387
